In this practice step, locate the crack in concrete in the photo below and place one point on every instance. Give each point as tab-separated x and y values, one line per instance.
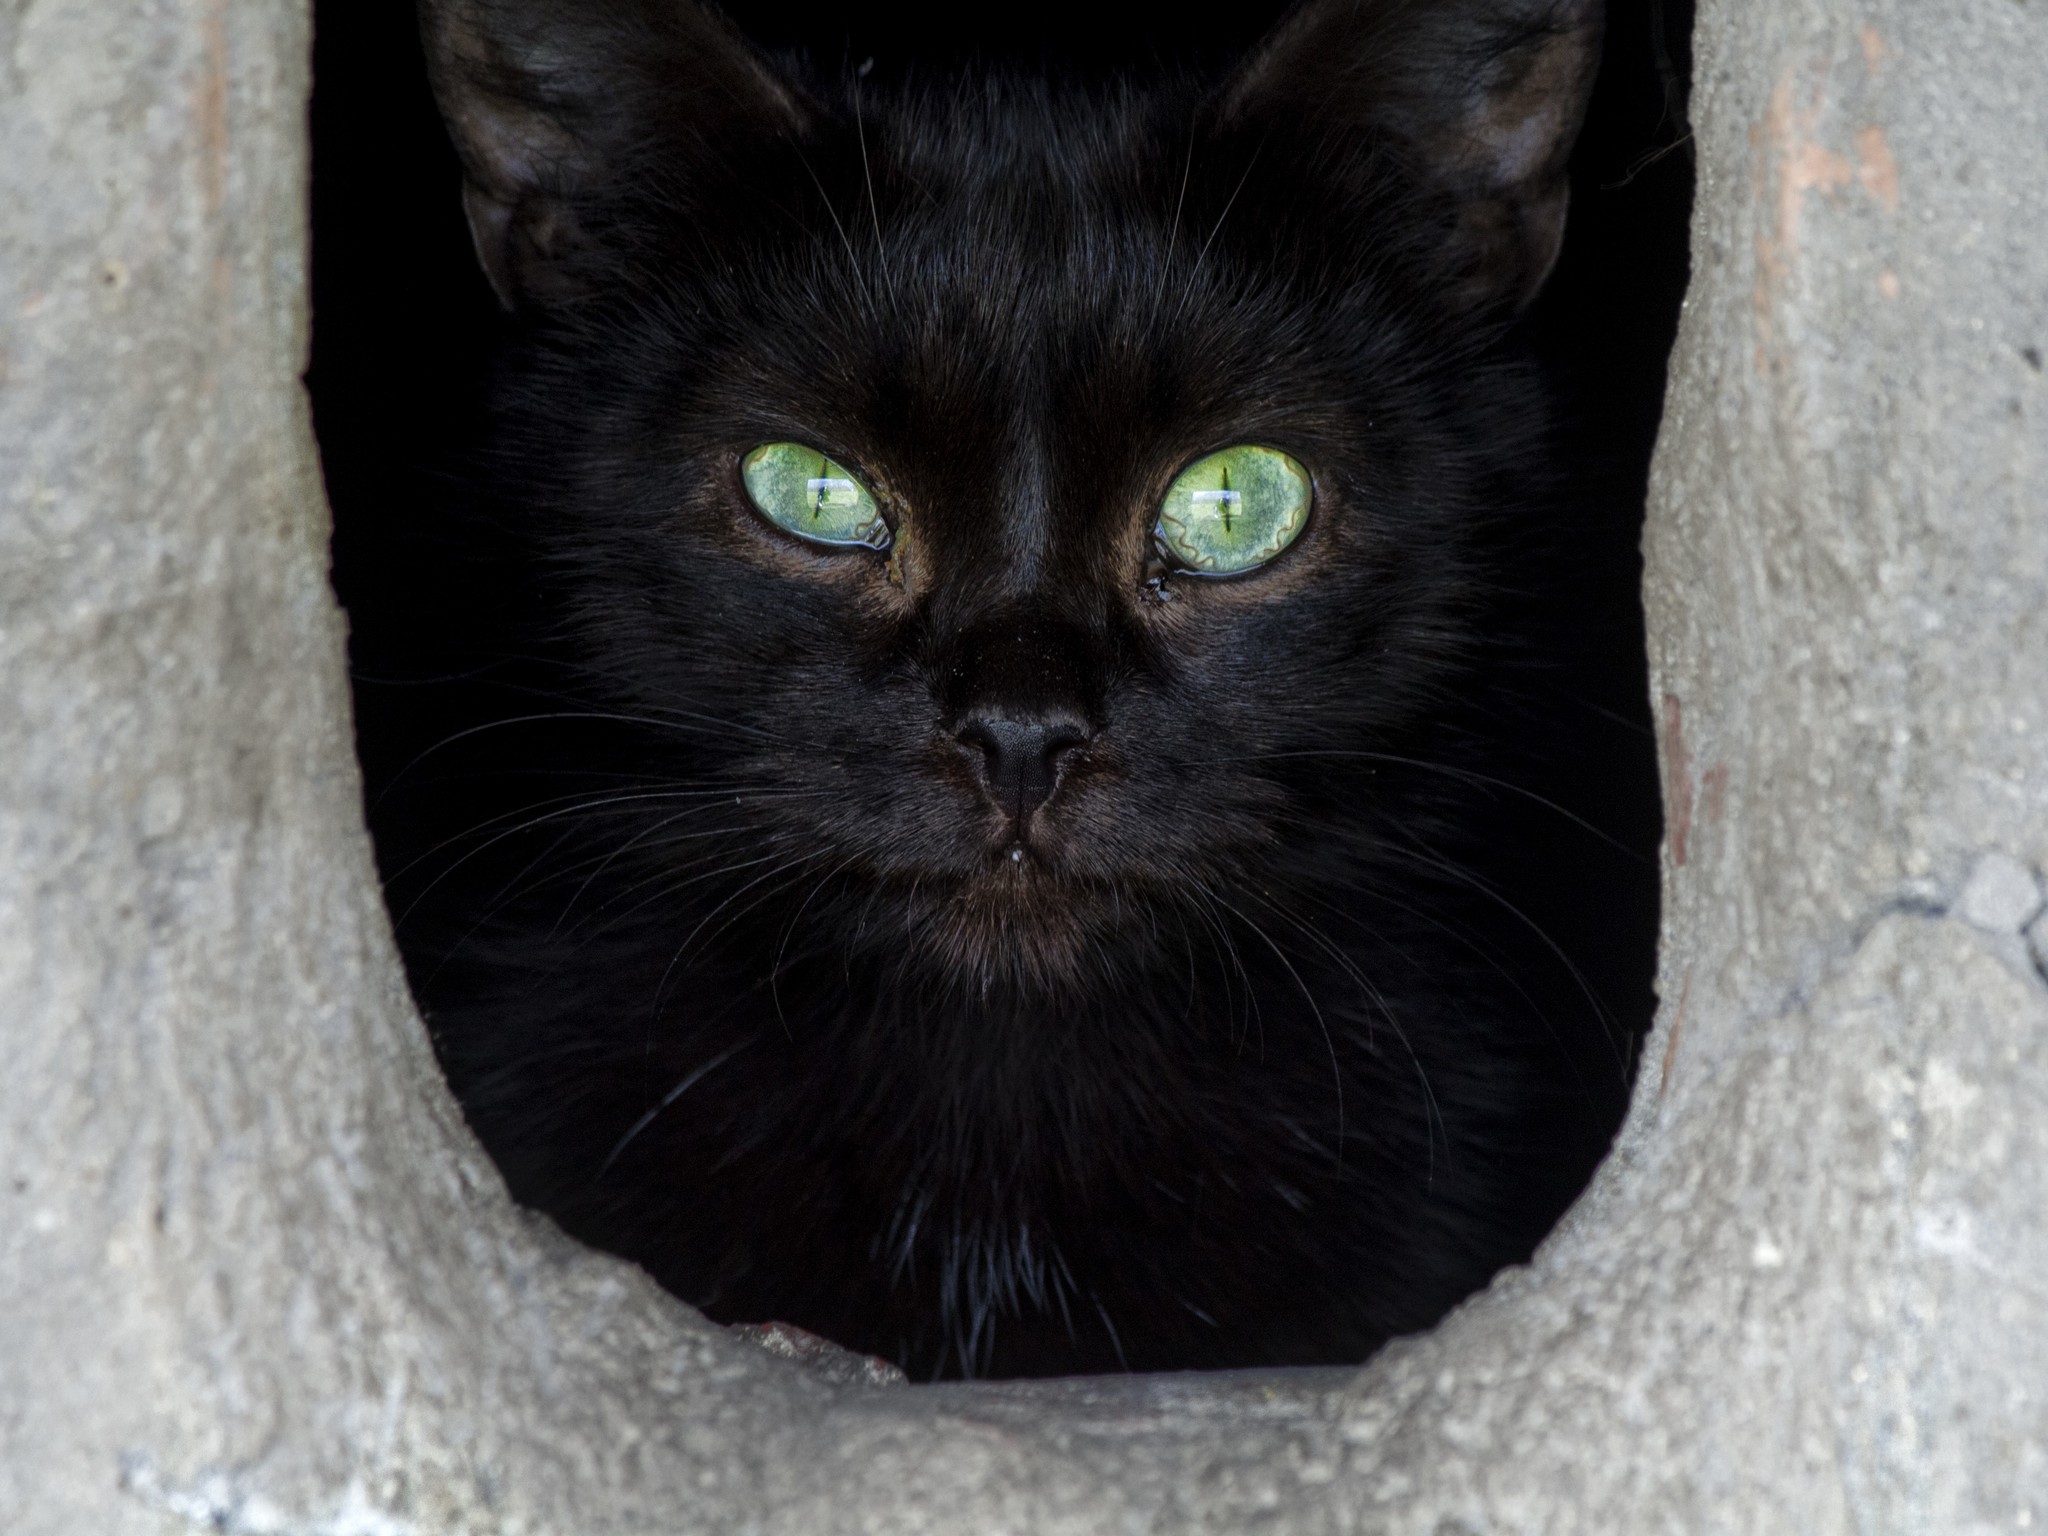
1827	960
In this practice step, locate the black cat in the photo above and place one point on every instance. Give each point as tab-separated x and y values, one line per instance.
1021	804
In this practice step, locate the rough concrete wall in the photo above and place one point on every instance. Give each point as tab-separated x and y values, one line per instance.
255	1278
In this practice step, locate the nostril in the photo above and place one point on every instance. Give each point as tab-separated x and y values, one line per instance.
1021	759
1060	741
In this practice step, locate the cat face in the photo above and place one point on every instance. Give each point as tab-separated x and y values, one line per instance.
1000	713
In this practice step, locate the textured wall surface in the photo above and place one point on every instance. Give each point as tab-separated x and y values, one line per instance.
254	1278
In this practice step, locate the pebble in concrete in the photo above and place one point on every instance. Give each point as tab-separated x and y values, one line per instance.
2001	895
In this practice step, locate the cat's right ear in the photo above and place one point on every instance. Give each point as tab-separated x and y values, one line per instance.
1482	99
548	101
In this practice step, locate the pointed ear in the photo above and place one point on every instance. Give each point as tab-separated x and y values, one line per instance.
547	102
1482	98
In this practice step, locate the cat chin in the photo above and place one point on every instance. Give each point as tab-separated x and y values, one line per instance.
1019	928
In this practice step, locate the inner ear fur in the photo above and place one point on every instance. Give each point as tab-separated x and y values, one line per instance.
547	101
1483	98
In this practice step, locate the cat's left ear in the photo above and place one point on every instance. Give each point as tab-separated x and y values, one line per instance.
1482	98
551	102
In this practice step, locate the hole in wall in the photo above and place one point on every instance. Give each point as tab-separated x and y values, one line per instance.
470	809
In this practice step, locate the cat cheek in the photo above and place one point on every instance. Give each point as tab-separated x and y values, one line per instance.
861	577
1187	616
907	568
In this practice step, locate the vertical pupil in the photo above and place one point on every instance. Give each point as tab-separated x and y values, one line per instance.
820	484
1223	499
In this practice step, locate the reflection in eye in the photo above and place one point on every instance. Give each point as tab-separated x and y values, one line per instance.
1224	500
838	493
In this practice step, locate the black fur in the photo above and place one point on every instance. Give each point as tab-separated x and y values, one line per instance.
1277	1042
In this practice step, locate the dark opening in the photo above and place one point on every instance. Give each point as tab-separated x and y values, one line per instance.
405	326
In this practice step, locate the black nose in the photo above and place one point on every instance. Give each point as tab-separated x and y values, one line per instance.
1022	760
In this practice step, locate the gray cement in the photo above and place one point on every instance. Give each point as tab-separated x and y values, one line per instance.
255	1278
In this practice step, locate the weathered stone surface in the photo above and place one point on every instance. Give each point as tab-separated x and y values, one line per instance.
255	1278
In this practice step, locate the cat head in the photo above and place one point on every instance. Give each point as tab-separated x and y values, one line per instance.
1039	509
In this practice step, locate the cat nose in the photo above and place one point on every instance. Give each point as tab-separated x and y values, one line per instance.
1022	761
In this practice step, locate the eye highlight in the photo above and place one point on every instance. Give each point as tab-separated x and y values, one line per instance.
1233	511
802	492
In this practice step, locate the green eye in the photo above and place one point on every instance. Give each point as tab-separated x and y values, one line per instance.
1234	510
799	489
